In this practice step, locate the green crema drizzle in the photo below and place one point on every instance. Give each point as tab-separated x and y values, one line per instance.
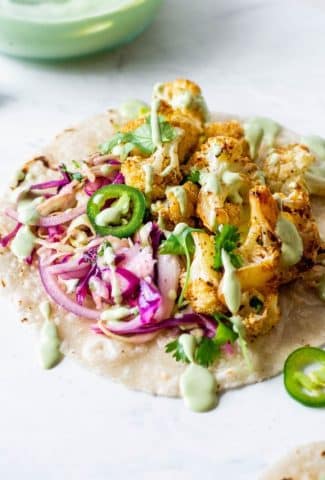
197	384
292	246
49	339
260	130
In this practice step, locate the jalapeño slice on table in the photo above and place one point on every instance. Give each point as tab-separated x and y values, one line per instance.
116	210
304	376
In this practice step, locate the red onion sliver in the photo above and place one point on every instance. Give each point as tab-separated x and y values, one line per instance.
51	220
54	291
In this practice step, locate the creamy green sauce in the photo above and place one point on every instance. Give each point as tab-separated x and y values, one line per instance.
49	339
113	214
27	210
198	388
109	260
321	288
148	178
45	309
316	145
180	194
117	313
292	246
258	130
133	109
189	344
23	243
230	287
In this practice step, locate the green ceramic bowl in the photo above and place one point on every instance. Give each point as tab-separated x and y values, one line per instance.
46	29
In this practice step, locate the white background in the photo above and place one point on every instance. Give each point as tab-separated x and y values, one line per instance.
250	56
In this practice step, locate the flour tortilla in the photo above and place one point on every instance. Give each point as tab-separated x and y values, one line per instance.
303	463
147	367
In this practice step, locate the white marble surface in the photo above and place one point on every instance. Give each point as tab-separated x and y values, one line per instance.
250	56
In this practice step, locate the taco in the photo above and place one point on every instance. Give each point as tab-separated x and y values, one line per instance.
173	250
304	463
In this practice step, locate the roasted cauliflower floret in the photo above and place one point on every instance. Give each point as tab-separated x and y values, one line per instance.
214	151
285	166
230	128
225	180
261	248
259	312
181	203
140	173
179	207
296	208
184	96
202	291
214	212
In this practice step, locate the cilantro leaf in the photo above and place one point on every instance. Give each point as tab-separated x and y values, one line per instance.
227	239
143	140
177	350
141	137
118	138
193	176
181	243
206	352
257	304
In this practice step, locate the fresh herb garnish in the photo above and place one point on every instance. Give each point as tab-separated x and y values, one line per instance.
206	352
181	243
257	304
227	238
177	350
207	349
193	176
141	137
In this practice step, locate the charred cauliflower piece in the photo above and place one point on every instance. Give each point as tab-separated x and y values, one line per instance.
225	180
259	312
184	96
202	291
180	204
261	248
296	208
285	166
230	128
140	173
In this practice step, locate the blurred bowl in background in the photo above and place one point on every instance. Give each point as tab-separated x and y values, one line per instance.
59	29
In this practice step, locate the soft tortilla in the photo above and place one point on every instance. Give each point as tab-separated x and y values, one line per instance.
148	367
303	463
